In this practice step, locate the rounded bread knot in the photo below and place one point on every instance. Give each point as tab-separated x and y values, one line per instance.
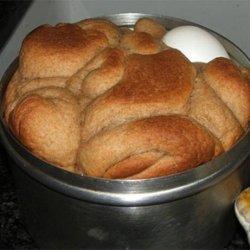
60	50
140	43
47	122
151	27
146	148
109	29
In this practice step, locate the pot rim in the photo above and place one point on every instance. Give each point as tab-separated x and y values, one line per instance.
127	192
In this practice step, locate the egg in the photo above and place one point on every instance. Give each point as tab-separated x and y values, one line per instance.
197	44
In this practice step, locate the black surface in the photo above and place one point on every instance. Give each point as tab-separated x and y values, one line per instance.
10	14
13	234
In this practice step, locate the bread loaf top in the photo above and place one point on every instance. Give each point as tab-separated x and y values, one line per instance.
110	102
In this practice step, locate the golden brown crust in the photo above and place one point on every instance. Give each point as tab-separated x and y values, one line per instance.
211	112
141	43
47	121
99	75
110	102
152	85
151	27
231	87
19	87
58	51
111	31
162	134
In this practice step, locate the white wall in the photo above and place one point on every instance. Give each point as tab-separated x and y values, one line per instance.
231	18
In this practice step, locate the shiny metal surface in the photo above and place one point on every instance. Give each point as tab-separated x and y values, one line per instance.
191	209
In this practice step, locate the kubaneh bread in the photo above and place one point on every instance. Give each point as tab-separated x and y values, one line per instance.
111	102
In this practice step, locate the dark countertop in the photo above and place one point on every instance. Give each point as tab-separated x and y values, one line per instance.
13	234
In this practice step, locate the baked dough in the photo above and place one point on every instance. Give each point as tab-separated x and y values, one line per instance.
110	102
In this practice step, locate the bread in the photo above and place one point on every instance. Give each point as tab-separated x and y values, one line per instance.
47	122
58	51
109	102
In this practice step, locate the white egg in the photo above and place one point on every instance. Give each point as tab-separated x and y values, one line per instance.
197	44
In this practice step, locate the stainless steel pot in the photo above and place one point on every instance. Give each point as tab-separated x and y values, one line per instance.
193	209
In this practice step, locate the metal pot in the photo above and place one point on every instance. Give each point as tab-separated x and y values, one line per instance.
186	210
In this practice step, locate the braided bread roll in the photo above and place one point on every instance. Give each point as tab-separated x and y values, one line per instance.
111	102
